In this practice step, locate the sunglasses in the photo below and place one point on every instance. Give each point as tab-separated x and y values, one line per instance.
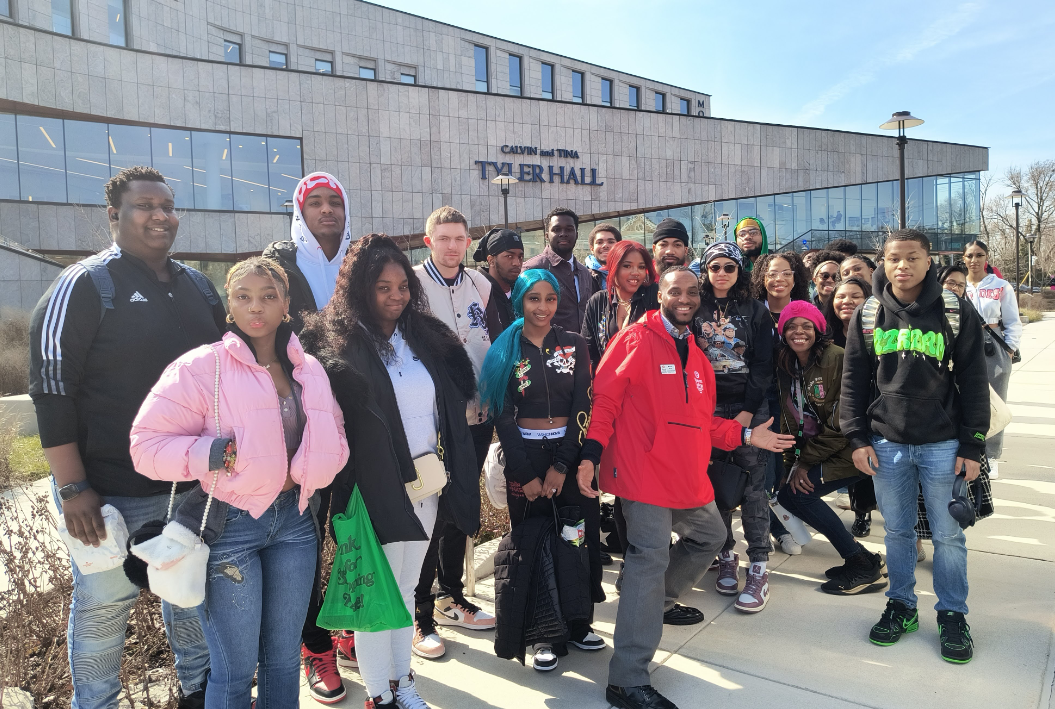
829	277
717	267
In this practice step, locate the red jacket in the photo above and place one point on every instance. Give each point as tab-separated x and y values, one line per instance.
656	421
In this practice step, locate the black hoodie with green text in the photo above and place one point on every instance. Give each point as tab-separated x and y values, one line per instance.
920	386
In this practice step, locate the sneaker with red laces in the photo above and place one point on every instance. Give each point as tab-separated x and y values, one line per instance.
462	614
728	575
756	591
346	650
324	681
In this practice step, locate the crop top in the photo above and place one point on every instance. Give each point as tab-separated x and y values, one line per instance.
547	382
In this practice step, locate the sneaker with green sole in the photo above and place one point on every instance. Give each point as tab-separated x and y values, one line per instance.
954	636
897	620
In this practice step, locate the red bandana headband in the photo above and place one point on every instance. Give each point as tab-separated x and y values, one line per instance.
310	184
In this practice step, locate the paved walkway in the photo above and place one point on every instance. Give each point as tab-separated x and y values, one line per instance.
808	649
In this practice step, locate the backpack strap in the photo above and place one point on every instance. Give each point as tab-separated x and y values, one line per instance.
103	281
869	313
952	311
203	283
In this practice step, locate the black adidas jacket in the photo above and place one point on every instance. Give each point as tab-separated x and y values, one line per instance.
920	386
89	373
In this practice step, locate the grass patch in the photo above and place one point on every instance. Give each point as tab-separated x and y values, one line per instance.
27	460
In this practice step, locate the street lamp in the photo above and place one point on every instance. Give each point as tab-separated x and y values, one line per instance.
899	122
288	206
1030	238
505	181
724	219
1016	202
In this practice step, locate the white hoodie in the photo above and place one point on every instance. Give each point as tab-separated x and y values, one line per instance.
994	299
320	272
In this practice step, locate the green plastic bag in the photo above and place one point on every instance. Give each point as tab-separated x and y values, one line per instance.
362	593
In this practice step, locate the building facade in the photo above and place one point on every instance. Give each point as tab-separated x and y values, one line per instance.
235	101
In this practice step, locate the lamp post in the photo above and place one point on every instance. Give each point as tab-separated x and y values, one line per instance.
899	122
288	206
724	219
505	181
1016	202
1030	238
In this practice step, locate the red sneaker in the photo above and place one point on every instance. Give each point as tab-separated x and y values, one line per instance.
346	650
324	681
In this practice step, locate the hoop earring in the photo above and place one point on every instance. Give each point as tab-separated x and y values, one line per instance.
287	318
230	318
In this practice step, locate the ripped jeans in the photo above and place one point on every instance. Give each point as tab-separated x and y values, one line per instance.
261	573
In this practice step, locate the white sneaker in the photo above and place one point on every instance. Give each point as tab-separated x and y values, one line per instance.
427	644
994	469
463	615
842	501
544	659
788	545
407	696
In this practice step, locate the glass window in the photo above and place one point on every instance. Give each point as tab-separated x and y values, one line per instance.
5	10
87	161
325	66
276	60
819	208
576	86
515	76
914	195
934	190
232	52
42	159
249	168
129	145
284	171
407	78
660	101
783	221
115	16
853	208
683	106
887	205
836	209
868	208
8	157
956	202
971	206
172	158
606	92
547	81
366	72
212	170
800	203
62	17
480	66
632	96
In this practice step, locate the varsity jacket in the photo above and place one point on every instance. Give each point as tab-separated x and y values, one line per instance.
92	366
466	307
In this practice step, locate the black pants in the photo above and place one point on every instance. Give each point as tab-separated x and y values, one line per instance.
540	454
811	509
317	639
446	554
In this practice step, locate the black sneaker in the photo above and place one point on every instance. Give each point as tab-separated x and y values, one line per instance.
606	559
897	620
682	615
862	573
643	697
836	571
194	700
954	636
862	525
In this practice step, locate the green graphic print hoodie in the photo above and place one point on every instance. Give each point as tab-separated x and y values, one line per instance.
920	386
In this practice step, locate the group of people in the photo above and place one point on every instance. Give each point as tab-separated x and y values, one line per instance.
641	373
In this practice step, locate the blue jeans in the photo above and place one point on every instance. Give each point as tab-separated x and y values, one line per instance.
902	469
99	617
259	582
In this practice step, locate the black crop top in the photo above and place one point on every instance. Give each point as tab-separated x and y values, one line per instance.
549	382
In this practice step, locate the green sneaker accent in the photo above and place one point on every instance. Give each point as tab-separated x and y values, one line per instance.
954	637
897	619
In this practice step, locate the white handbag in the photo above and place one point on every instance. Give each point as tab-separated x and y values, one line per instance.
432	478
180	580
999	413
495	476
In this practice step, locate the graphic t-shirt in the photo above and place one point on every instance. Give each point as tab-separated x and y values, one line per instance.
722	333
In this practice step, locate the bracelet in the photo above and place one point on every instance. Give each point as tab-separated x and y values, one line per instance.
747	436
229	456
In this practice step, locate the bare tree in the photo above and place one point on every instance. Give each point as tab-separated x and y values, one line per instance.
1037	183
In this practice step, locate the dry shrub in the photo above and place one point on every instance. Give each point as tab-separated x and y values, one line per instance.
14	352
35	605
493	522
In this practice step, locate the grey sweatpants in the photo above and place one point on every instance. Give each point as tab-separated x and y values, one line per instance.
655	574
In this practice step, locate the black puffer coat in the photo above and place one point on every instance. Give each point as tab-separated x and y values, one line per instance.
380	461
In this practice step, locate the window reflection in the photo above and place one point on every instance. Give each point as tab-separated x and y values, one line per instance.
42	160
8	157
283	166
129	145
5	8
62	16
172	158
87	162
115	17
547	81
249	173
212	170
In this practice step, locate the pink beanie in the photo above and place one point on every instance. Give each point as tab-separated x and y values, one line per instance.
801	309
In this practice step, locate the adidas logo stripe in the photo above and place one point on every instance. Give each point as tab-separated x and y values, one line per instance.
137	298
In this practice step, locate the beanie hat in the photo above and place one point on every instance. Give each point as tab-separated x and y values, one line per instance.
802	309
761	228
670	229
496	241
724	249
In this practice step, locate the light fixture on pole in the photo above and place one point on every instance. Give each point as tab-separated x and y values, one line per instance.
724	219
1016	202
288	206
899	122
1030	238
505	181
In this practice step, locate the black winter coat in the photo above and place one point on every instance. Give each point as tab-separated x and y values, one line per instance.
599	326
301	299
379	460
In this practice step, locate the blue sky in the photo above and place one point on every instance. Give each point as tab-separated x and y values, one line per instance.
981	73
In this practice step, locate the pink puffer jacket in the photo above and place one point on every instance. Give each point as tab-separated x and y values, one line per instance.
175	428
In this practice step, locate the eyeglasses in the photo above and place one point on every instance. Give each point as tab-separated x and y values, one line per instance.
835	277
953	285
782	274
717	267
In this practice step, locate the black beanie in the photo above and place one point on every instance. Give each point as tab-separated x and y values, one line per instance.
670	229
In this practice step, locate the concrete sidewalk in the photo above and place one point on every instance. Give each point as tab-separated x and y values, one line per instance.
809	649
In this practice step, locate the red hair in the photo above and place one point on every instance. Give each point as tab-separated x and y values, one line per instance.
619	251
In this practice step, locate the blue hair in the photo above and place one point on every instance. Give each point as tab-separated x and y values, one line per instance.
505	351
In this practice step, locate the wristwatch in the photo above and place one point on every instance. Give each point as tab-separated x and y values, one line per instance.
68	492
747	436
560	468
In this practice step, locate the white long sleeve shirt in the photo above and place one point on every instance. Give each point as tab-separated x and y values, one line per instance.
995	301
